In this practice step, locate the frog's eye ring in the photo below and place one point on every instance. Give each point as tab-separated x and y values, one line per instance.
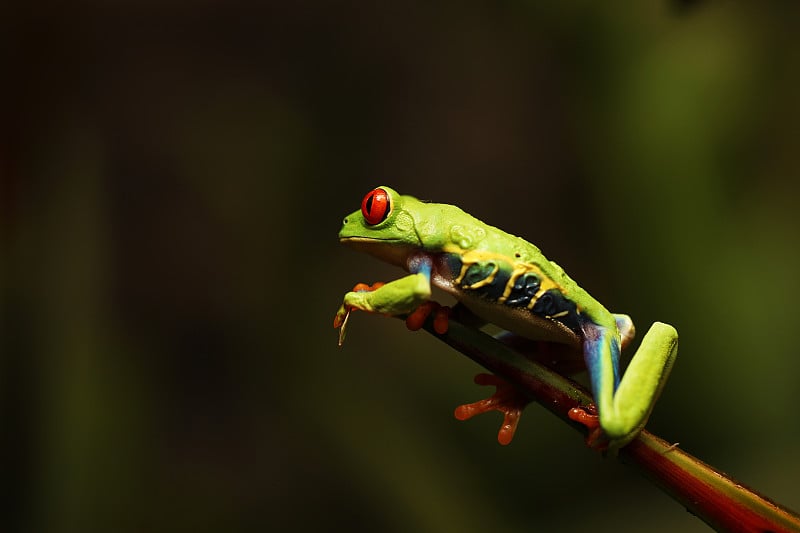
375	206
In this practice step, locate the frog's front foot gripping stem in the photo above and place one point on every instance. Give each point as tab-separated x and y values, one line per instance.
386	305
441	317
340	320
507	399
415	319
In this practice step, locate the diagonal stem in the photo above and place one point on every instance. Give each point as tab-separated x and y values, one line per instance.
707	493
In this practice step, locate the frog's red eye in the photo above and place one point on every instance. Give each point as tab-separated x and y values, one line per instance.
375	206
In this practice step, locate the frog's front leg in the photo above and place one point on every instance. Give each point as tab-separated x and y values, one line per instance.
406	296
399	297
624	405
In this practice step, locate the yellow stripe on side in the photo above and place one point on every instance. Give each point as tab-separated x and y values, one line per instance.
487	280
515	274
471	257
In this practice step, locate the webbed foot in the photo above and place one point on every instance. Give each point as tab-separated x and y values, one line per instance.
588	417
507	399
343	314
441	317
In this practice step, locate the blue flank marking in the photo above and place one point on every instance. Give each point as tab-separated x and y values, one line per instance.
597	342
421	265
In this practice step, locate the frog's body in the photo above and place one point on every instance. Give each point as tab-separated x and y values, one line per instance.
507	281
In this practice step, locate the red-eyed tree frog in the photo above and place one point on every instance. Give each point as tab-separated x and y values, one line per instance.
506	281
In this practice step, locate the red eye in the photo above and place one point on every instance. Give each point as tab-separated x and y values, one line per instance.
375	206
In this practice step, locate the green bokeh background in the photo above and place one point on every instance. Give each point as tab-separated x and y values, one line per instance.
173	180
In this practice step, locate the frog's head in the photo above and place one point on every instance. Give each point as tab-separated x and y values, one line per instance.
384	226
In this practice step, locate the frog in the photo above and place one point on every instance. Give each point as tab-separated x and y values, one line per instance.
504	280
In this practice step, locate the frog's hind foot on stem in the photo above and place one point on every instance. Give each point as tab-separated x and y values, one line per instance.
507	399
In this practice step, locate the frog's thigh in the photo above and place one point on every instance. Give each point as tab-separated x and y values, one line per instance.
645	376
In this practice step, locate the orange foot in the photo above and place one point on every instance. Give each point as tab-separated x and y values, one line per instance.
441	317
588	417
340	319
507	399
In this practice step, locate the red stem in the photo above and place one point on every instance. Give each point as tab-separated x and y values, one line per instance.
715	498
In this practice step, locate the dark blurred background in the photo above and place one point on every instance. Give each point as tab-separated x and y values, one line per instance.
174	175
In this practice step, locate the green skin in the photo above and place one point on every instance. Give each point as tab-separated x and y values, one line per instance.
413	234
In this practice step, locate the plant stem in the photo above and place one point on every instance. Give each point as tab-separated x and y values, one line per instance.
707	493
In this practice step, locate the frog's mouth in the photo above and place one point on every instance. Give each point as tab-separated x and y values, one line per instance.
389	250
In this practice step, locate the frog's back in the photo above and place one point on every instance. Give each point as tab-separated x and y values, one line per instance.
508	281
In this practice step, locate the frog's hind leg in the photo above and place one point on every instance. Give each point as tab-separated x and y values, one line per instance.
643	381
624	405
